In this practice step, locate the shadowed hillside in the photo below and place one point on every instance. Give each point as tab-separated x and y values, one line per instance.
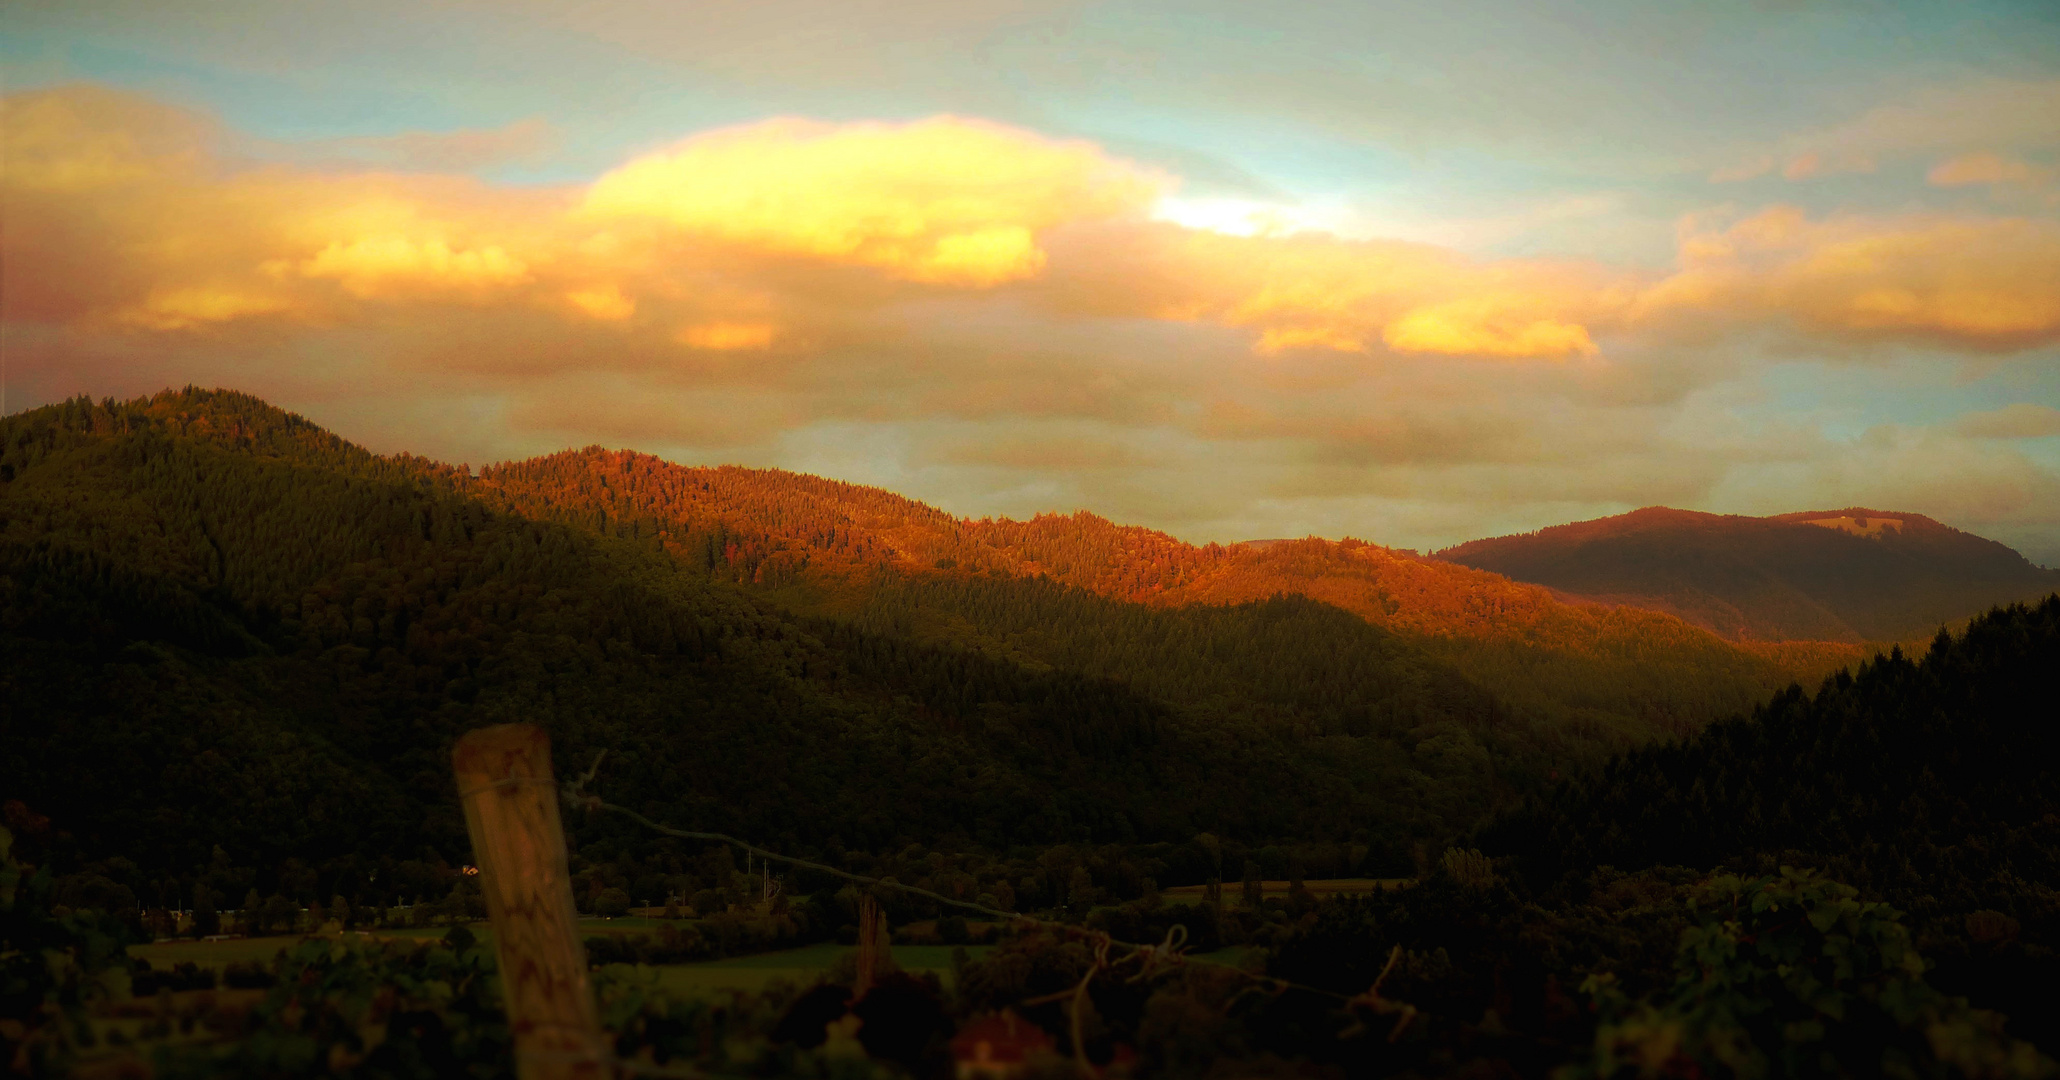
227	628
1834	575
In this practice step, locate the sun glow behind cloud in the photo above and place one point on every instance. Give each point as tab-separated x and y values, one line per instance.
1246	217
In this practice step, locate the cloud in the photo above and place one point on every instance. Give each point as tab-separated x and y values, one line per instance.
770	236
1967	117
1976	483
722	337
718	241
943	200
2007	178
1976	283
1983	168
375	265
2022	420
1316	291
86	138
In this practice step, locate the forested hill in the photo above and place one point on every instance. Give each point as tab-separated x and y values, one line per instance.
1933	783
822	547
767	525
235	644
1832	575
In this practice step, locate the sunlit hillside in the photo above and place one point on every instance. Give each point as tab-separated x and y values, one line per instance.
820	546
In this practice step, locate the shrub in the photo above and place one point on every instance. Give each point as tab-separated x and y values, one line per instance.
1792	976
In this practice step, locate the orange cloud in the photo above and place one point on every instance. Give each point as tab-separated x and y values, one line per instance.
127	214
1981	168
1990	170
373	265
1314	291
724	337
605	302
944	200
1486	326
1981	283
1947	118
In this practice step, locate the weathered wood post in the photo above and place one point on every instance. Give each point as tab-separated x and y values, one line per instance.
869	937
511	809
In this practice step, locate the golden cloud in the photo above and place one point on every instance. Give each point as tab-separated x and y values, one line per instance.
1485	326
805	235
725	336
945	200
1315	291
1980	283
375	265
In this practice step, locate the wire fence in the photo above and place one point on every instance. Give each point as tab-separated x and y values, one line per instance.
1150	960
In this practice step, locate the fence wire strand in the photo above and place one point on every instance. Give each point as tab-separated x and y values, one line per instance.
1167	954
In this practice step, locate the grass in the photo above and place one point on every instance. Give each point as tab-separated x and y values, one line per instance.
748	973
220	954
755	972
212	954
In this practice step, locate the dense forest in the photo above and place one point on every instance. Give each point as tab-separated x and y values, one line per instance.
228	630
232	632
235	650
238	647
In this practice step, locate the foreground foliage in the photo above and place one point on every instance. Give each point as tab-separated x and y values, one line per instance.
1932	784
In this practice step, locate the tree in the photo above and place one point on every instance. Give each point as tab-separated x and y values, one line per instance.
1795	976
206	920
281	913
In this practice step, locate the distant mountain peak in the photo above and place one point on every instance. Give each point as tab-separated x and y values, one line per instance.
1848	574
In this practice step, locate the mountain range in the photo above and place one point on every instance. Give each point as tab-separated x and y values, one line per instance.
232	635
1826	575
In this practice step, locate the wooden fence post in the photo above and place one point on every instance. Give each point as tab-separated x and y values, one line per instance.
511	809
869	939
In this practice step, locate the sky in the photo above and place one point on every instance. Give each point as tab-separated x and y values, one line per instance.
1411	272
